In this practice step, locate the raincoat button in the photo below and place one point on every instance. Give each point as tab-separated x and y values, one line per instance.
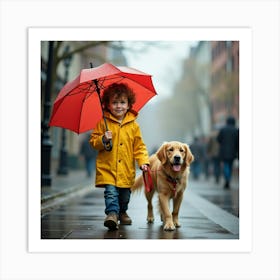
119	160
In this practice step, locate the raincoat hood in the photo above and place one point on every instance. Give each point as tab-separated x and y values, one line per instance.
130	116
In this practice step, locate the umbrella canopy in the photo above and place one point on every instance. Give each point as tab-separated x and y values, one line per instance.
77	106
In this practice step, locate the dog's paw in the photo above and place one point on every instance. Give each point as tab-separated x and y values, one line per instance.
177	224
169	226
150	220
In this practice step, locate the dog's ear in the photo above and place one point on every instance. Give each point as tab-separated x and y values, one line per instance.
161	153
189	156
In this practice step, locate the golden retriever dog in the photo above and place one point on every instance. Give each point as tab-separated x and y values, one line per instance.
169	172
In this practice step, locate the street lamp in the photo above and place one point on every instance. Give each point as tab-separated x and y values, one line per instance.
46	143
63	157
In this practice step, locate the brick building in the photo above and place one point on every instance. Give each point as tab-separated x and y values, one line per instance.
224	80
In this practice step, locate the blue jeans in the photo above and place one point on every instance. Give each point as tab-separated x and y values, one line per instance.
217	167
227	169
89	162
116	199
196	169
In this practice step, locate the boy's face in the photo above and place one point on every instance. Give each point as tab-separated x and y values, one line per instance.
118	106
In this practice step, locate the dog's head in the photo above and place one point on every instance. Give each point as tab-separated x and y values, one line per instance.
176	154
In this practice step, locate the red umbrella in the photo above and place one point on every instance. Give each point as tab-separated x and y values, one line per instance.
77	106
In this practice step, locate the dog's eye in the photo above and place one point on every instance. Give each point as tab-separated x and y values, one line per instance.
171	149
181	150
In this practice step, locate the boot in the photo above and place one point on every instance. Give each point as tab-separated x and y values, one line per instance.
125	219
111	221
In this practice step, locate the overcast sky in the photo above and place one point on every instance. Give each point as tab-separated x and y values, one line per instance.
163	60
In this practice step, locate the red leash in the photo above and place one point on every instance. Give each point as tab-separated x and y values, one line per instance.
149	185
148	181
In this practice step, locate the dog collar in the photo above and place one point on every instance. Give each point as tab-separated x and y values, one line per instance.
174	182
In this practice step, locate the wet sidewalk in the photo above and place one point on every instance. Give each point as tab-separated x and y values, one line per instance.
65	187
74	209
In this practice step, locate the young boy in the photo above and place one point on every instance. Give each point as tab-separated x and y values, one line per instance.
115	169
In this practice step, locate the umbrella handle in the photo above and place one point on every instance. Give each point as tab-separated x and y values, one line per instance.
108	146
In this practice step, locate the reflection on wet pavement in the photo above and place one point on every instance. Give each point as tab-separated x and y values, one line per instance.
83	217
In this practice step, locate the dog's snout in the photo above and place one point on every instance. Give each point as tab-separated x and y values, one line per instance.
177	159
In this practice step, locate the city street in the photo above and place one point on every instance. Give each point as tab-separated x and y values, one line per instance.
207	212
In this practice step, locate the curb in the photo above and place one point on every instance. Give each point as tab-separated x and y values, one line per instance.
50	202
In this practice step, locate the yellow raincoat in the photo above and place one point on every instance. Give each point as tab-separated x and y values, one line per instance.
117	167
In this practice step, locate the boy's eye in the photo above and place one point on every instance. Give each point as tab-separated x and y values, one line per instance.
116	102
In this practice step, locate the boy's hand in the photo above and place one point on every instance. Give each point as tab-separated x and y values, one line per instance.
144	167
107	136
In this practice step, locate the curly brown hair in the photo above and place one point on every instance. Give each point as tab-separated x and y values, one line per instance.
118	90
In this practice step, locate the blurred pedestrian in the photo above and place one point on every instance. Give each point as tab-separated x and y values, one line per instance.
115	169
206	159
213	155
228	139
89	155
199	155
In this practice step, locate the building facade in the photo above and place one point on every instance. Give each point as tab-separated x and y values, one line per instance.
224	80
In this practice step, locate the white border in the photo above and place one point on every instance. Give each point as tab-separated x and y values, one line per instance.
262	16
244	35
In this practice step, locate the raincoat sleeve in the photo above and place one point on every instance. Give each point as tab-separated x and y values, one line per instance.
96	137
140	151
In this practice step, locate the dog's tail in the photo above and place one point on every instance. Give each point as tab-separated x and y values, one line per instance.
139	182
